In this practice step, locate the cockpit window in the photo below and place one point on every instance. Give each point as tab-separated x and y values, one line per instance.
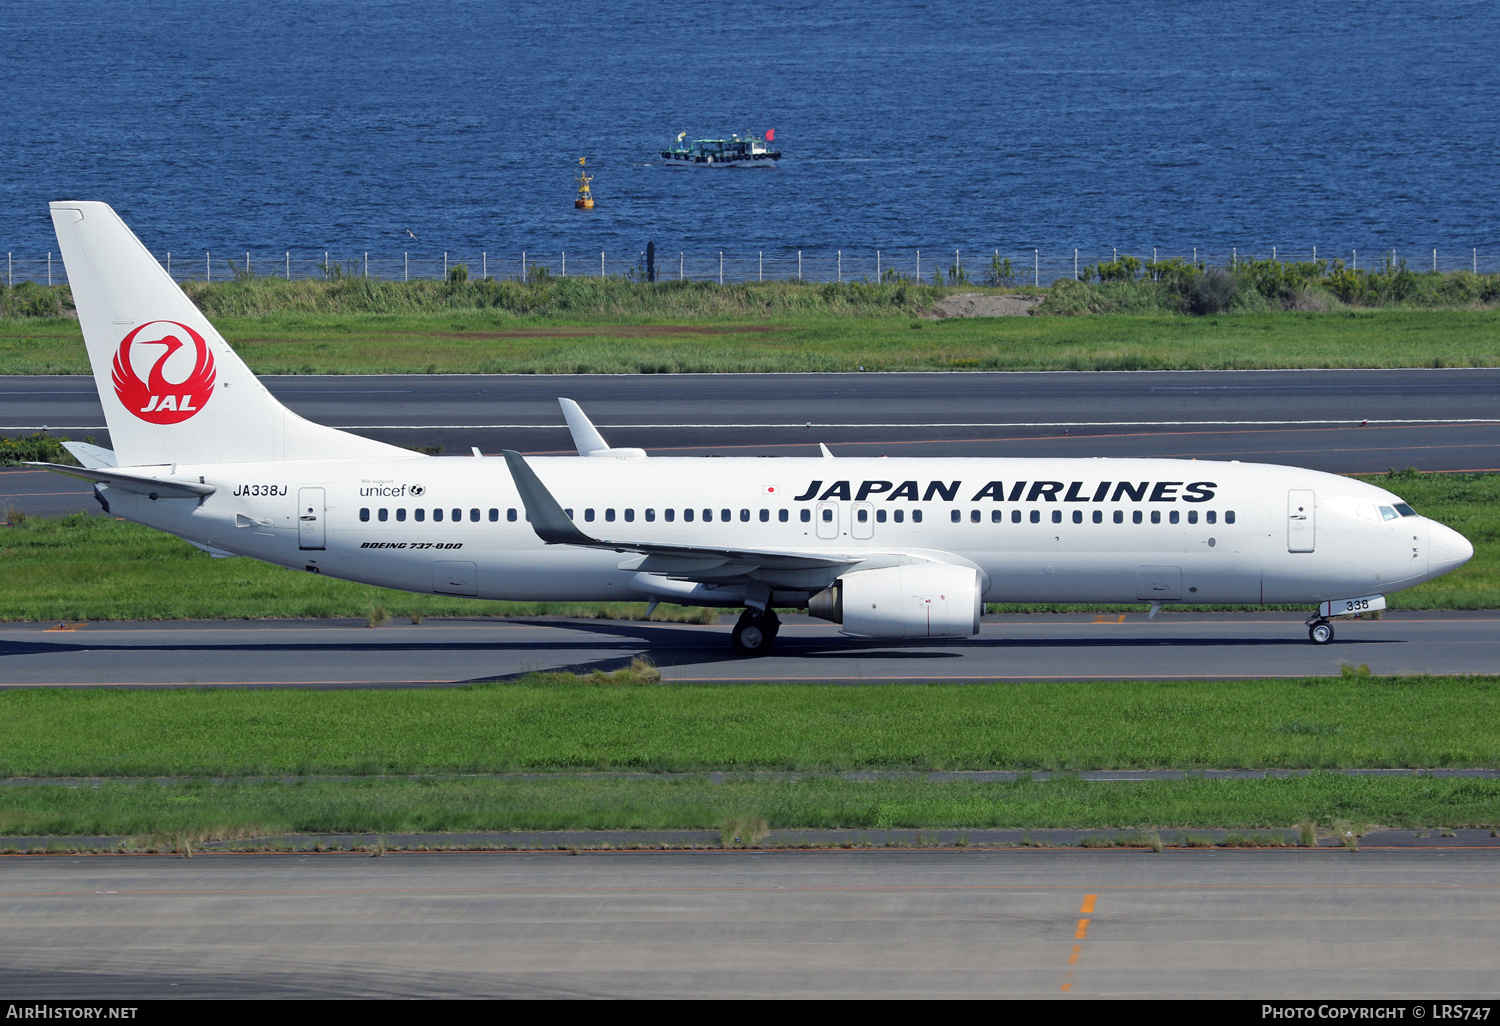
1405	510
1387	513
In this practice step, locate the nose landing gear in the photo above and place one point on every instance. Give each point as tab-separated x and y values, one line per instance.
755	631
1319	630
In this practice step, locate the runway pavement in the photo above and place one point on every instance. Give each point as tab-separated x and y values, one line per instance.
1282	924
1340	421
345	653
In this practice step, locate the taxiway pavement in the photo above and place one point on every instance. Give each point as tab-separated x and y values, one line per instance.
1279	924
1343	421
346	653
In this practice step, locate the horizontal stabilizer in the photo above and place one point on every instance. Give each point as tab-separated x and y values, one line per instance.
93	456
155	487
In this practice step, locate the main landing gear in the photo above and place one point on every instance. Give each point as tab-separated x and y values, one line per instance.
1319	630
755	631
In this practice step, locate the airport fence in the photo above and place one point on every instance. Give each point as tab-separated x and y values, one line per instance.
999	266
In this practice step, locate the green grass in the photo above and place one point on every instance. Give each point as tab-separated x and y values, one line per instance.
235	810
1322	722
94	568
806	340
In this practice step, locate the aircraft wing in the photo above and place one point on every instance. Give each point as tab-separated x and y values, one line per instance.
163	488
682	562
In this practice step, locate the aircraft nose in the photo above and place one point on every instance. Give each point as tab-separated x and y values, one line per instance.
1447	550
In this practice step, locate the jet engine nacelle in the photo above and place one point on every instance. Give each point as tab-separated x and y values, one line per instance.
923	600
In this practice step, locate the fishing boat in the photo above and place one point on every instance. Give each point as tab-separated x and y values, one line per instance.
736	151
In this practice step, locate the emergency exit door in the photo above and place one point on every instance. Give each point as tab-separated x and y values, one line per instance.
310	518
1301	526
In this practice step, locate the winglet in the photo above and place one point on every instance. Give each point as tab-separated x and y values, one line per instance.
547	517
827	453
585	436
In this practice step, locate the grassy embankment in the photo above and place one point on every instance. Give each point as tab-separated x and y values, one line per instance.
93	568
556	728
592	325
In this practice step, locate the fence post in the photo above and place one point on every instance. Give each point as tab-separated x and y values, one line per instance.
565	263
841	266
367	262
288	265
1273	254
10	268
49	268
247	265
445	265
799	265
601	263
325	263
484	263
721	267
1036	267
1355	264
1476	259
208	265
1195	256
1434	260
1234	256
523	265
169	263
760	275
919	267
406	267
877	265
1075	262
1315	254
679	265
1153	254
956	265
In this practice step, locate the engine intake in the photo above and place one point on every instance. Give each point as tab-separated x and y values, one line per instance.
924	600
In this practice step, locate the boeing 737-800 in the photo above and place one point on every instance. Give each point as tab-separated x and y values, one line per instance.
888	548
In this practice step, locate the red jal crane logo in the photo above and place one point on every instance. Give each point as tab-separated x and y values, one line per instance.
157	400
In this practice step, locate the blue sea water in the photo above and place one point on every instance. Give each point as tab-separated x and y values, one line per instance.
268	125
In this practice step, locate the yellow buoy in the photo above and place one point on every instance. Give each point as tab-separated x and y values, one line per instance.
585	200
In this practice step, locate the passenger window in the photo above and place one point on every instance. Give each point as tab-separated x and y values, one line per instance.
687	516
630	516
828	516
863	516
1229	516
1036	516
609	516
783	516
1156	516
510	515
364	514
1078	516
670	514
806	516
727	515
568	513
1015	516
588	516
419	515
1192	516
765	516
1057	516
916	516
1098	516
650	516
1135	516
1172	516
1119	516
974	516
494	515
383	515
458	515
955	516
400	515
997	517
437	516
708	515
1211	517
744	516
899	514
473	516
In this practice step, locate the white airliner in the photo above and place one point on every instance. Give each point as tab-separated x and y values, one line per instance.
888	548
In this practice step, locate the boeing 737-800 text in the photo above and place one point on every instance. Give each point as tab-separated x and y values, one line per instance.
888	548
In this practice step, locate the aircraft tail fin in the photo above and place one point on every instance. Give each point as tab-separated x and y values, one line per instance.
173	390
